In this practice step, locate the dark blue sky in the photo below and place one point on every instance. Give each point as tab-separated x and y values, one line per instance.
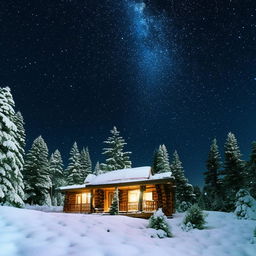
172	72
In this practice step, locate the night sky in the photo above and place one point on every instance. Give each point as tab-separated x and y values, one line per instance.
177	72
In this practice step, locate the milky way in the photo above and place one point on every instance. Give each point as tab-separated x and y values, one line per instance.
152	54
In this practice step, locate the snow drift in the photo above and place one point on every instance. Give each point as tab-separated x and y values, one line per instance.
29	233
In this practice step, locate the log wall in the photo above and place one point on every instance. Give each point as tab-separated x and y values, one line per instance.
165	194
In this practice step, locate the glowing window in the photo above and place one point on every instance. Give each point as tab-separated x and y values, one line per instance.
148	196
83	198
78	199
133	196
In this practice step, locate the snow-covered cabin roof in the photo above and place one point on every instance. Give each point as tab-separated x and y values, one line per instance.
121	176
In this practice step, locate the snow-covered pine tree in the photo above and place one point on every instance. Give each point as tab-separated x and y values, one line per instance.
250	179
21	134
195	218
233	171
154	162
85	161
11	159
162	164
245	205
97	169
159	222
114	152
57	177
114	208
212	180
197	192
37	175
184	190
74	171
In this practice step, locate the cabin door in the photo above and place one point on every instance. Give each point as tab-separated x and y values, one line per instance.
110	198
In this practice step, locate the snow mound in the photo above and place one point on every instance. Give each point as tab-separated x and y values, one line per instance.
44	208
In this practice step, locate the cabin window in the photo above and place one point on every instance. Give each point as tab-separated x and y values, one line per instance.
83	198
148	196
133	196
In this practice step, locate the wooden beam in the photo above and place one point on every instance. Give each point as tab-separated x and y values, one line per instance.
140	206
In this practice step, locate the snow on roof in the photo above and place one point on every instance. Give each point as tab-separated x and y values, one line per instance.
162	175
72	187
120	176
89	178
123	175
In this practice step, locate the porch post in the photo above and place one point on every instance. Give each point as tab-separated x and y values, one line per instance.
91	201
117	192
140	206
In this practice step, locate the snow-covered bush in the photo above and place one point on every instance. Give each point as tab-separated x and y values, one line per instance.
158	221
245	205
187	227
184	206
114	206
194	218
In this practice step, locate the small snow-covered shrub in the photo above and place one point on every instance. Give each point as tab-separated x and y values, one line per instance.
187	227
184	206
245	205
158	221
194	217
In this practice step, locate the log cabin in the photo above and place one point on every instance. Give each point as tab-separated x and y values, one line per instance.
140	193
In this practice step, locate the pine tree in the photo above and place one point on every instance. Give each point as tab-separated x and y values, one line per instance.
250	177
37	175
116	157
154	163
86	163
97	169
197	193
11	159
159	222
21	134
114	209
212	180
195	217
161	160
233	171
163	164
74	170
184	190
57	177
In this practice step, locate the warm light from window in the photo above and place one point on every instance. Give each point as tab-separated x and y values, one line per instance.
148	196
133	196
83	198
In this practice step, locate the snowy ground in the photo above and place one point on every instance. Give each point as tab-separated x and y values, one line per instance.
26	232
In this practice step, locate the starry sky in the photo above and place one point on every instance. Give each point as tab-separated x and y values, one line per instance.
178	72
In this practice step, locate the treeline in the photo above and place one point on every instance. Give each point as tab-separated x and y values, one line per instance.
33	177
224	179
